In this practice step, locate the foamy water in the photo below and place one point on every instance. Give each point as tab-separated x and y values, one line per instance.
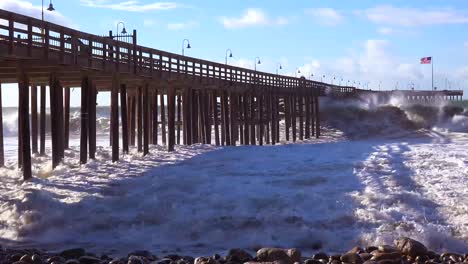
206	199
329	194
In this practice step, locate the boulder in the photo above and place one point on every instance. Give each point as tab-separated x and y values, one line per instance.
278	254
410	247
352	258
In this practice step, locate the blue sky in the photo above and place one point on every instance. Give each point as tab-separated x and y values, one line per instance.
361	41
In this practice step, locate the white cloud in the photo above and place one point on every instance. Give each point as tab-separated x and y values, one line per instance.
131	6
182	25
148	22
28	9
413	17
251	17
325	16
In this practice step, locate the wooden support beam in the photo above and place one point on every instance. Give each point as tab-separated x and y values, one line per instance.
171	111
115	117
312	115
300	99
123	117
140	119
317	117
267	117
179	117
42	121
227	122
241	119
92	104
246	112
2	151
163	119
61	122
25	132
20	127
66	117
223	119
214	106
233	117
187	108
206	116
195	138
287	115
307	116
260	127
155	117
133	114
253	105
85	83
201	118
293	117
34	128
55	116
146	124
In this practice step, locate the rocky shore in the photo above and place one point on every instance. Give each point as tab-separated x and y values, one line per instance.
405	250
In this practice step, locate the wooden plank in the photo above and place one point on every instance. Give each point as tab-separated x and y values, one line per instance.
2	151
42	121
60	122
146	120
34	128
133	115
287	115
66	113
115	117
241	119
171	109
246	112
226	122
123	116
300	99
194	122
260	126
84	120
232	118
25	132
188	113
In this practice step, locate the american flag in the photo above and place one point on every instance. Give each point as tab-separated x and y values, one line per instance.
426	60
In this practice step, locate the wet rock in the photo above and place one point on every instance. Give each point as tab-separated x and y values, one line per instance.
26	258
410	247
163	261
381	256
270	262
72	261
57	259
387	249
335	262
146	254
320	255
14	258
205	260
365	256
238	255
117	261
371	248
351	257
277	254
137	260
356	250
335	257
312	261
370	262
89	260
73	253
36	259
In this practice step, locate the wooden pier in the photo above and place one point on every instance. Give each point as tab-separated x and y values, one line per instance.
206	102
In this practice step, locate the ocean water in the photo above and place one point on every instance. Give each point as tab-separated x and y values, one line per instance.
379	172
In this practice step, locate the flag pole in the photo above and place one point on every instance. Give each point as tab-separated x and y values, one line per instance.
432	63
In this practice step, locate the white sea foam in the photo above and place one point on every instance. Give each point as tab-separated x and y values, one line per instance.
204	199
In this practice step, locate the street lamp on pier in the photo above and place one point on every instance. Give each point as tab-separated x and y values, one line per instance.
278	67
50	8
124	31
230	55
257	62
297	71
183	46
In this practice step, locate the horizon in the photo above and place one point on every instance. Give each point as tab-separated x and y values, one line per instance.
365	45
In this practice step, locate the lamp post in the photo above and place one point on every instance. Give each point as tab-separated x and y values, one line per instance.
183	46
255	63
347	83
333	79
321	78
278	67
50	8
341	79
226	57
311	76
124	31
297	71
